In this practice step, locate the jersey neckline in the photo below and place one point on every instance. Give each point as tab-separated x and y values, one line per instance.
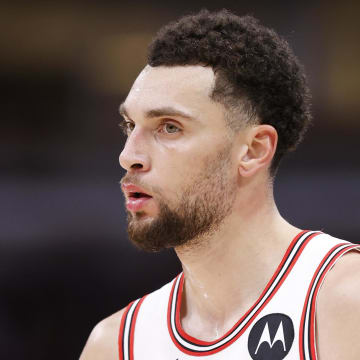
193	346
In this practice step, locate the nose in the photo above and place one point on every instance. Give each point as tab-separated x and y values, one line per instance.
134	156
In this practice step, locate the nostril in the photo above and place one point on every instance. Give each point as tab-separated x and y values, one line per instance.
136	166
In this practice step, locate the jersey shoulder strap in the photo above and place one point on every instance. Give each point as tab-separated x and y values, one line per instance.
128	320
307	333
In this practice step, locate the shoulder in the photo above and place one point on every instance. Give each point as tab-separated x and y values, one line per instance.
338	310
103	340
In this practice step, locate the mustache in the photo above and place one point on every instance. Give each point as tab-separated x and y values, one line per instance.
131	179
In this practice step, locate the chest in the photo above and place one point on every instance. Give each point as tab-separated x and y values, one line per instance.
280	324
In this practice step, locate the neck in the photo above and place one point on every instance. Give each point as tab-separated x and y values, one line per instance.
226	274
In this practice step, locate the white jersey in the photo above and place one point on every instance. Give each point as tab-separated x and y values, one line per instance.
280	324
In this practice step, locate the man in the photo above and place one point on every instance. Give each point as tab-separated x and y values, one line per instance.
208	120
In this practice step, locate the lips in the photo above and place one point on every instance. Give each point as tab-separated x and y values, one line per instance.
135	192
137	197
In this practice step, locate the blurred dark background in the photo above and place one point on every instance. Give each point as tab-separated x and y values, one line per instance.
64	68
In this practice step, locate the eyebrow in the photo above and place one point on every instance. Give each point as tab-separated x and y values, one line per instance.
162	111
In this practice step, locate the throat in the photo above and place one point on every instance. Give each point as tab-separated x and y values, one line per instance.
204	317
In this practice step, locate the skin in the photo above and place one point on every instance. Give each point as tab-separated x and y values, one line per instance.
205	201
241	256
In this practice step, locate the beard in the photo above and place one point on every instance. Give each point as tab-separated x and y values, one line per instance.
201	209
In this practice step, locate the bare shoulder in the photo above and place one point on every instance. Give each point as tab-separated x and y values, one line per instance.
338	311
103	340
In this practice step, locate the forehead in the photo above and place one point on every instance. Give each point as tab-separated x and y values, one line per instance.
187	88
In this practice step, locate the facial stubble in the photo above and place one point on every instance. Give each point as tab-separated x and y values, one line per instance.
204	204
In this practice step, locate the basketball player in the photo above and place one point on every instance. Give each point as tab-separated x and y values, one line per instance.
208	120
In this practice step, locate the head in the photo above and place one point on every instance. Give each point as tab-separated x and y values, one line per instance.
220	102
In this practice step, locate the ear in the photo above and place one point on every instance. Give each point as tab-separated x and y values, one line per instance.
261	142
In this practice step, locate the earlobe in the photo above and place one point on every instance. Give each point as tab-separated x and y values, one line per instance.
246	167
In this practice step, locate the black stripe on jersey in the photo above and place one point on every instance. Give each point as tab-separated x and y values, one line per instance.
130	326
291	255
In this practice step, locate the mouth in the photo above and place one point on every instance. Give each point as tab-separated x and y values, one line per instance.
136	201
138	195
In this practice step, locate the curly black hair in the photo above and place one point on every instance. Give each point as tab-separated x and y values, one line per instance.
256	71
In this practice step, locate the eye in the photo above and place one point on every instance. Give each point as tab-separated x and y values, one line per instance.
127	127
170	128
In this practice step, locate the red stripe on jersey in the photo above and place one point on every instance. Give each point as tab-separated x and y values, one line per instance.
169	313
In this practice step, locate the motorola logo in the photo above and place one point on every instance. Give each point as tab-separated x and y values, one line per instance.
271	337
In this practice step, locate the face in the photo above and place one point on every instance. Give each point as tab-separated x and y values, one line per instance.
179	151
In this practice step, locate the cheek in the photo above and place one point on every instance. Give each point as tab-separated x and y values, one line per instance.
180	163
178	159
174	174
